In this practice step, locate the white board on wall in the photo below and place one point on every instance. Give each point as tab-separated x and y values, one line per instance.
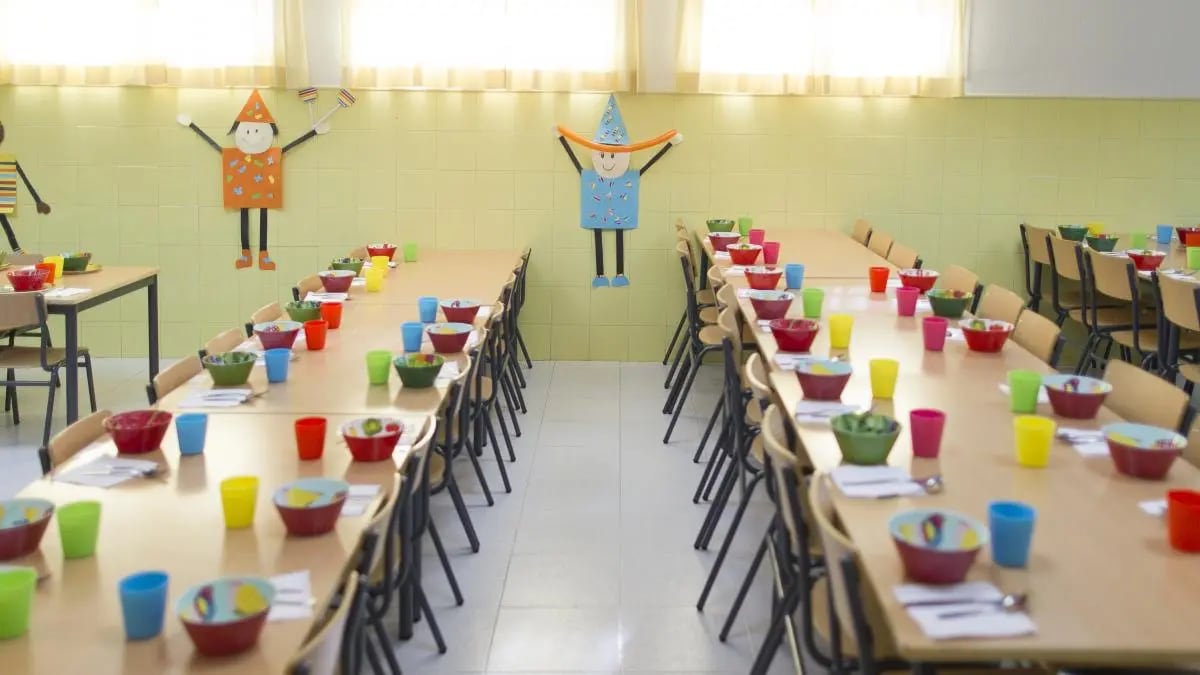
1083	48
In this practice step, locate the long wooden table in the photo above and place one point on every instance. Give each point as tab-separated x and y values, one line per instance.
825	254
174	522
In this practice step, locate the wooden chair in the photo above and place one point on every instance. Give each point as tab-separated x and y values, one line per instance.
450	445
380	569
170	379
705	297
862	232
957	278
19	311
699	341
999	303
309	284
880	243
68	442
1039	336
1128	324
1140	396
904	257
1066	275
1180	301
1037	260
222	342
263	314
323	653
518	305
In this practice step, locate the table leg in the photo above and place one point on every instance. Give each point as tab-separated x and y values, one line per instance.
152	320
71	319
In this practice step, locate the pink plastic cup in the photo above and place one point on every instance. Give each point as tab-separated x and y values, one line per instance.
926	425
757	236
770	252
934	328
906	301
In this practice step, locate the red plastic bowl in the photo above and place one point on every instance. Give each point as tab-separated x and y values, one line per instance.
822	387
1075	405
337	283
744	256
1145	463
223	639
1146	260
763	278
23	539
138	431
381	249
1188	236
721	240
281	339
986	340
794	335
28	279
375	448
460	311
928	566
771	308
922	280
449	343
312	521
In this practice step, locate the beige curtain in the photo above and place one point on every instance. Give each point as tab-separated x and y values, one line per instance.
183	43
821	47
514	45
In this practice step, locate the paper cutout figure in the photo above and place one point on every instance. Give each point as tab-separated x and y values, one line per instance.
308	96
252	171
10	170
608	192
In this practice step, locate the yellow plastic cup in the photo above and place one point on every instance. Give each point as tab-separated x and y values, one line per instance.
1034	435
1095	228
883	377
839	330
238	498
57	261
374	279
380	262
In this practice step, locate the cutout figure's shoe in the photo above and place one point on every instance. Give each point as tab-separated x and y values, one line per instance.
244	260
620	280
264	261
599	281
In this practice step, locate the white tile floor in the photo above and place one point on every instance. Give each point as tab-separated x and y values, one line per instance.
588	566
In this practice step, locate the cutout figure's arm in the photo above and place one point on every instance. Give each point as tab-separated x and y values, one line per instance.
42	207
675	140
186	121
570	152
311	133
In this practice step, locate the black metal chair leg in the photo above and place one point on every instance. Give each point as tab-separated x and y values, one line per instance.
712	422
491	431
712	480
372	656
524	349
512	456
716	460
463	515
487	491
747	582
674	338
725	544
441	553
389	654
91	380
433	624
717	508
512	399
774	636
16	408
693	371
679	354
49	407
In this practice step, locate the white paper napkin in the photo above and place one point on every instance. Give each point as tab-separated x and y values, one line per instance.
358	498
955	335
873	482
721	255
744	292
788	360
217	398
822	411
448	372
1088	442
894	283
293	597
1154	507
106	471
320	296
65	292
1043	397
735	269
764	325
358	281
973	603
967	591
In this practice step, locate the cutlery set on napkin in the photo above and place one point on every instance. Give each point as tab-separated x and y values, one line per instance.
822	411
217	398
972	609
448	372
875	482
735	269
1088	442
788	360
358	498
294	599
322	296
107	471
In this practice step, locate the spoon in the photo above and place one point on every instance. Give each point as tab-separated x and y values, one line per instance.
1010	602
932	484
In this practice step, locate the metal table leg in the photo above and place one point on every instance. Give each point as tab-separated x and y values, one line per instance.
152	320
71	319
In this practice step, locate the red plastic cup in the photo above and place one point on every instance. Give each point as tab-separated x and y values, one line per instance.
49	267
310	437
332	313
770	252
1183	520
757	236
926	425
906	301
879	278
933	329
314	334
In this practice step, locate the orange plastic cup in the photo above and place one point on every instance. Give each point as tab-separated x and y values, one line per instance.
332	313
310	437
49	268
314	334
879	278
1183	520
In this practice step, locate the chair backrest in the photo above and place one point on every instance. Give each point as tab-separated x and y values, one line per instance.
321	654
685	256
68	442
223	342
727	296
1000	303
837	547
263	314
902	256
862	231
727	320
1039	250
309	284
1064	259
1110	275
1039	336
169	380
1143	397
685	238
756	377
360	253
716	277
19	310
1179	301
880	243
381	527
958	278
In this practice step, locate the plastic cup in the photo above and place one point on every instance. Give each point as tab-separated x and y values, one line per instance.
926	425
1023	387
883	376
1163	233
190	430
770	252
757	236
1095	228
374	277
1137	240
1183	520
410	251
794	275
840	326
380	262
933	330
143	604
1034	436
314	334
238	498
412	332
906	301
16	598
310	437
78	528
332	313
1011	524
1193	257
427	306
48	267
812	298
57	261
745	224
878	277
379	366
277	364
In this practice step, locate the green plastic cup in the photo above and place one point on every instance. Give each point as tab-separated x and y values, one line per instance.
410	251
16	597
813	298
78	528
1023	386
1193	257
1137	240
379	365
745	223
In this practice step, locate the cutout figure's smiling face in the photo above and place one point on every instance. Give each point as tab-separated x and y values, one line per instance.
253	137
610	164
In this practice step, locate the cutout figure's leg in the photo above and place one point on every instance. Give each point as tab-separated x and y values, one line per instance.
264	258
8	231
600	279
620	279
244	261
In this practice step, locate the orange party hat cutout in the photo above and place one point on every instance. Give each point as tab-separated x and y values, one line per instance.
255	110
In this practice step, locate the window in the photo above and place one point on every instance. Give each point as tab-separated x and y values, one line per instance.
490	44
840	47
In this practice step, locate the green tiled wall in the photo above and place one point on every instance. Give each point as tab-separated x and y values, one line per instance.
482	170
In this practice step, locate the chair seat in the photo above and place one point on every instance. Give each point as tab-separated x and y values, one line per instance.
705	296
709	315
1112	317
1148	339
711	335
437	468
31	357
754	413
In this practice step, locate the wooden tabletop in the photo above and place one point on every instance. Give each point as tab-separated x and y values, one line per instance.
174	523
1098	562
826	254
98	283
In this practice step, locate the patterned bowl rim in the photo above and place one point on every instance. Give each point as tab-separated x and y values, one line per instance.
332	491
353	428
458	328
303	304
337	273
965	324
769	295
462	303
981	530
46	506
183	606
1109	430
839	367
943	294
763	269
430	361
239	358
1058	382
284	325
917	272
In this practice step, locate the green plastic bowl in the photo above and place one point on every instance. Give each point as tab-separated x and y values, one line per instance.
720	225
354	264
76	262
1103	243
945	303
865	448
229	369
418	371
303	310
1073	232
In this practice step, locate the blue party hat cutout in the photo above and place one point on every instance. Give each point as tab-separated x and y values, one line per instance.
612	127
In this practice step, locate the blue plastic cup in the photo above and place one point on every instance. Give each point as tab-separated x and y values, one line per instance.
1163	233
143	604
191	428
277	364
428	307
413	332
794	274
1011	524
